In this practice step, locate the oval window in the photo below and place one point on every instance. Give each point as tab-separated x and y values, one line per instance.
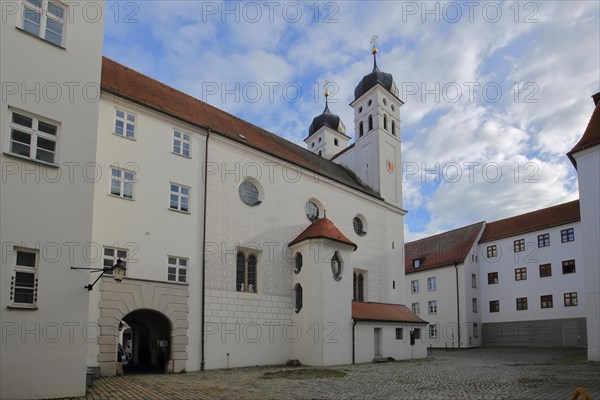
298	263
358	226
312	211
249	193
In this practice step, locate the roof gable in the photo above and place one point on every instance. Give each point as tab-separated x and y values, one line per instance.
442	249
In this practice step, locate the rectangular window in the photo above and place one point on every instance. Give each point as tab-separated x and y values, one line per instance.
417	333
414	286
568	267
545	270
179	198
121	182
45	19
177	269
111	255
432	306
495	306
521	303
520	274
125	124
492	278
571	299
546	301
431	284
475	330
433	331
519	245
544	240
474	301
567	235
399	334
417	262
24	282
415	308
33	137
492	251
181	143
473	280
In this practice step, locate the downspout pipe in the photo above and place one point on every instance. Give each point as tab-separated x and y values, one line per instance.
353	345
457	302
202	323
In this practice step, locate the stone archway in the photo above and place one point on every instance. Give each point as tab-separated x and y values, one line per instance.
161	307
150	341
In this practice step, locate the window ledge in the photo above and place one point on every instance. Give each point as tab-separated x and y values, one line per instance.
41	38
22	307
133	139
120	197
33	160
180	211
181	155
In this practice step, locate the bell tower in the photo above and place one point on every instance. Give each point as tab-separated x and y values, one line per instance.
377	133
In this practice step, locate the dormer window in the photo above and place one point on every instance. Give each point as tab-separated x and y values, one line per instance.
417	262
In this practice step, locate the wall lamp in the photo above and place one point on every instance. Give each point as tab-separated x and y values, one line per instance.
118	271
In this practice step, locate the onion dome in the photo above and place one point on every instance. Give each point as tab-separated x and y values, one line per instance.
376	77
328	119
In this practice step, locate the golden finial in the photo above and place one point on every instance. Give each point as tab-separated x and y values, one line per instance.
326	87
374	48
324	210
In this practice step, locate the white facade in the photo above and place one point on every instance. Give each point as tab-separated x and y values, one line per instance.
588	165
51	78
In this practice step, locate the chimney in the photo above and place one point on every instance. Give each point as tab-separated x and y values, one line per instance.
596	98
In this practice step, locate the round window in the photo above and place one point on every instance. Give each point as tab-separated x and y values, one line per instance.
249	193
312	211
358	226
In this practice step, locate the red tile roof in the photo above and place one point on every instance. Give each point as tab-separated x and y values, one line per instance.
442	249
323	229
131	85
591	136
541	219
383	313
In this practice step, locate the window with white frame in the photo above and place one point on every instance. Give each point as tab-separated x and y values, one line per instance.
111	255
181	143
414	286
44	19
33	137
432	306
24	281
415	308
431	284
121	182
124	124
180	198
433	331
474	301
473	280
177	269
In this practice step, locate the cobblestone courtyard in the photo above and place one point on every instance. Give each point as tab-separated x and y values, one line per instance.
546	374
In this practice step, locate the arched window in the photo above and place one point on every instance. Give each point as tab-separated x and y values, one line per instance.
297	298
240	272
394	128
361	129
385	122
337	266
359	286
245	273
370	122
298	262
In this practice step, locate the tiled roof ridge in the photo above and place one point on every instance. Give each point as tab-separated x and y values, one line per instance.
445	232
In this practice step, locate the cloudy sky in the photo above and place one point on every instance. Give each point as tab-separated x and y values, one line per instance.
495	92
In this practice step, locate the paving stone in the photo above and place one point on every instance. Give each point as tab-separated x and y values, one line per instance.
484	374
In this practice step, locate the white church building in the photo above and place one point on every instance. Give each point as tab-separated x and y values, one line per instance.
238	247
